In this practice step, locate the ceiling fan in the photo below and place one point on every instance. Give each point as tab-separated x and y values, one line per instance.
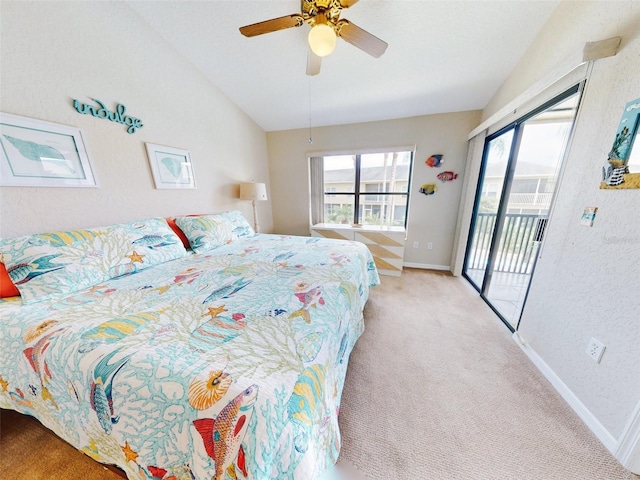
326	25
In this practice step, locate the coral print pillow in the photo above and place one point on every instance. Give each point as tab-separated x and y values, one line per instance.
239	225
206	232
49	265
144	243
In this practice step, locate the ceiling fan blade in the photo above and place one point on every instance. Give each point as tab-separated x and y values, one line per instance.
313	63
362	39
347	3
272	25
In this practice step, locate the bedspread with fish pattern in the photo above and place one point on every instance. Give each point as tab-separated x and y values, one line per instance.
224	365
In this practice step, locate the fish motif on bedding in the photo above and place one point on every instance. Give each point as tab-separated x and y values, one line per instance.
188	276
309	299
309	346
305	404
60	239
24	272
227	290
155	241
219	329
102	389
224	365
343	347
92	294
34	331
222	436
36	357
115	329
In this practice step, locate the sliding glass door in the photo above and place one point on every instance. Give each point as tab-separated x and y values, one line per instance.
520	168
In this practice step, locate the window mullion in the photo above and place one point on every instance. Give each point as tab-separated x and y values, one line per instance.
356	191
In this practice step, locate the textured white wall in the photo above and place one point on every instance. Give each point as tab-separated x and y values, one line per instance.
431	219
573	23
53	52
587	280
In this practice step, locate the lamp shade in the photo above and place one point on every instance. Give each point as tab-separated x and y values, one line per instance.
322	39
253	191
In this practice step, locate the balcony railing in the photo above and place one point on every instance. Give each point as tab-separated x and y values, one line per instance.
529	199
518	246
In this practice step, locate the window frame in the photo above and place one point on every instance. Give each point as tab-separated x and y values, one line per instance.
357	193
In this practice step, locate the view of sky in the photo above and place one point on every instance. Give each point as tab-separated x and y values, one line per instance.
340	162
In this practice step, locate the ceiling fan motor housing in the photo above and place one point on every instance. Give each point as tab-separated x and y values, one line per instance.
321	11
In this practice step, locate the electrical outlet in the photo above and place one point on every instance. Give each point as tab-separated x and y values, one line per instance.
595	350
415	244
429	246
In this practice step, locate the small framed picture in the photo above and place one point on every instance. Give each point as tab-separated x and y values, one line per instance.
171	167
35	153
588	216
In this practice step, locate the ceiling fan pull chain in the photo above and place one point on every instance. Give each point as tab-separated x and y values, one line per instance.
310	138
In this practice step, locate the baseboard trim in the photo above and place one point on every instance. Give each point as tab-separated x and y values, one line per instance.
574	402
628	452
426	266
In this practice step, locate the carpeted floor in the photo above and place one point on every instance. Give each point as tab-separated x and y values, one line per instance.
436	389
28	451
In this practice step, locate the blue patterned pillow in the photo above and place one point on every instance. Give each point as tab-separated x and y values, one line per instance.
142	244
239	225
206	232
49	265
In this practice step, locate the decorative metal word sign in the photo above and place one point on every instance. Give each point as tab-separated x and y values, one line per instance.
100	111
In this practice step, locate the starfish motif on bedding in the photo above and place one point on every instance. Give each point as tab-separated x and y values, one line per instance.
128	452
135	257
215	311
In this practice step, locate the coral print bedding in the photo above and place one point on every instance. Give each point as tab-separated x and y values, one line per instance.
225	364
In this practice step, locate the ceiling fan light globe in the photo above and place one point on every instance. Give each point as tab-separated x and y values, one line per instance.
322	40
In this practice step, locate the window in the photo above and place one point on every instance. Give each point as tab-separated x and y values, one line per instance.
365	189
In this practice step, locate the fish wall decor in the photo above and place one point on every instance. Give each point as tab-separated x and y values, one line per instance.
428	188
435	160
447	176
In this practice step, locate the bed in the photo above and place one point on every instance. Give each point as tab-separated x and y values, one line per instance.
222	361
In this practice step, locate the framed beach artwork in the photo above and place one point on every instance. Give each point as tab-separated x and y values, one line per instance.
35	153
171	167
623	163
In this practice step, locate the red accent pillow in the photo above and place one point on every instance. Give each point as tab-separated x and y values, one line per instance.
171	221
7	288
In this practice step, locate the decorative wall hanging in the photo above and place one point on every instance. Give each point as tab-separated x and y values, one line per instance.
171	167
588	216
35	153
100	111
428	188
435	160
447	176
623	164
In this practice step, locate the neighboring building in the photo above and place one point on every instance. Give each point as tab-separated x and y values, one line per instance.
531	190
376	209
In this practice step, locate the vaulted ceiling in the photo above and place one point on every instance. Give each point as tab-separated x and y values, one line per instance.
443	56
